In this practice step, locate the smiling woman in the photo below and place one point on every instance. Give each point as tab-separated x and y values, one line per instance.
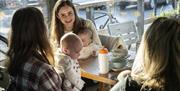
65	19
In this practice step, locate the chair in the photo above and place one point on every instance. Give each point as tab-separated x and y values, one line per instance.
126	30
4	79
3	51
4	76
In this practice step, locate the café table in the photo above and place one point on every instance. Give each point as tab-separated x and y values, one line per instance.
89	6
90	70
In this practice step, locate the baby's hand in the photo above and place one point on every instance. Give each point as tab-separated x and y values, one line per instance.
94	53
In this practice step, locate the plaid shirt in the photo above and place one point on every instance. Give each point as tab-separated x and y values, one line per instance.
36	76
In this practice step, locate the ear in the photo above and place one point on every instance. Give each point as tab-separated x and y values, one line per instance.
58	17
65	50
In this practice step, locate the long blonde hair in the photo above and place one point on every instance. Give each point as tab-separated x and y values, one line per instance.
161	70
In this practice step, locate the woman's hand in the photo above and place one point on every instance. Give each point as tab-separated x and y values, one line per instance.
124	73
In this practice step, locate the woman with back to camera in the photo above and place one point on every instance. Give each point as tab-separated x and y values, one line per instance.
138	62
161	61
30	54
65	19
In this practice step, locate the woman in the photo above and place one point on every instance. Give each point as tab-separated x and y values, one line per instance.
65	20
138	62
161	61
30	54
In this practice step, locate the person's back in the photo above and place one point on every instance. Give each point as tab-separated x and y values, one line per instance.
139	59
89	48
30	54
33	77
161	63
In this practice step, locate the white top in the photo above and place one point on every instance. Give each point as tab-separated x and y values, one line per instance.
139	59
86	52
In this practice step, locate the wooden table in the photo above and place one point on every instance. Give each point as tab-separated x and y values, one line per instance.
89	6
90	70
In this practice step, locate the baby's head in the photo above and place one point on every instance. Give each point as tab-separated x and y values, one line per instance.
86	35
71	45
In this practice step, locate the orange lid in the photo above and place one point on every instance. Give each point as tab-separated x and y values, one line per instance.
103	51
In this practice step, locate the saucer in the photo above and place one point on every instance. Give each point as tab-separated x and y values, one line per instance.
119	69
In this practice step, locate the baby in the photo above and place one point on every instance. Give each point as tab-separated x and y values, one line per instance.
89	48
66	56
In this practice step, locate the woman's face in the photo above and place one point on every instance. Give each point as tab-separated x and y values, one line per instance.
66	16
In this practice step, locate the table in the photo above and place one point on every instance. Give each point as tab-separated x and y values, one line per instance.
89	6
92	3
90	70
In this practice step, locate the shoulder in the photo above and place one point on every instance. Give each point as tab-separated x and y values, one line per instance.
132	85
37	66
126	83
62	60
88	22
35	72
60	57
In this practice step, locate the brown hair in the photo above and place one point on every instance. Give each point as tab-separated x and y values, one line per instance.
28	38
57	27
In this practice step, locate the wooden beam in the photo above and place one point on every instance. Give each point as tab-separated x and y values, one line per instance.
97	78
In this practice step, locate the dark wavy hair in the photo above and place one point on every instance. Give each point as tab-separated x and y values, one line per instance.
28	38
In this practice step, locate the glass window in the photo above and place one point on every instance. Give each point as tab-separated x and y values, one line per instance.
8	7
101	12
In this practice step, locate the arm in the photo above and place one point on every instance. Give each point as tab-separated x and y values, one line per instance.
95	48
91	49
50	81
95	38
120	85
139	59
